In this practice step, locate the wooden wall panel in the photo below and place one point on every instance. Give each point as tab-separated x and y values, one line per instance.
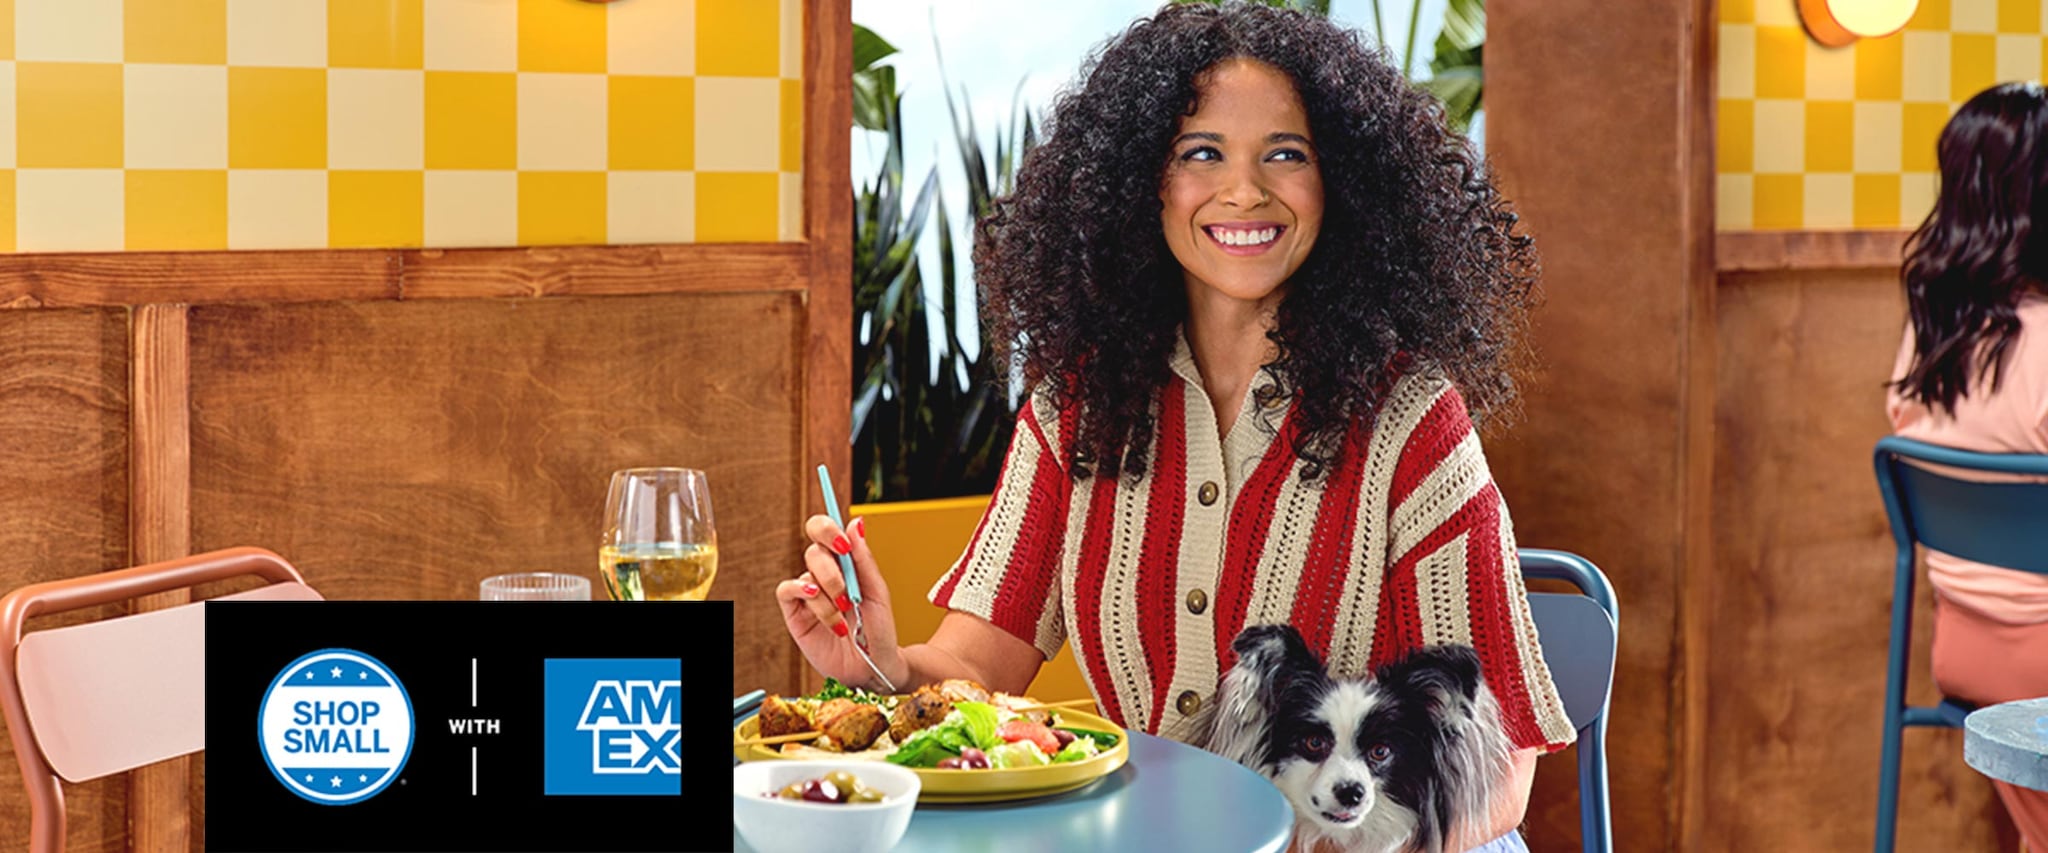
1801	598
64	503
1591	128
406	451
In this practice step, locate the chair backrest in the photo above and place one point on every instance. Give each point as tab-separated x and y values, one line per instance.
1579	636
1997	522
99	698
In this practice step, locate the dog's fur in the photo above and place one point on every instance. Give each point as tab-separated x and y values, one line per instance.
1391	763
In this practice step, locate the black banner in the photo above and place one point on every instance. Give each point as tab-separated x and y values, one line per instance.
467	726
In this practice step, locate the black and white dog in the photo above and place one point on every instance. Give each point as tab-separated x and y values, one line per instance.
1391	763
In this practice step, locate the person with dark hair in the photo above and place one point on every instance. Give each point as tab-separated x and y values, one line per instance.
1972	373
1260	294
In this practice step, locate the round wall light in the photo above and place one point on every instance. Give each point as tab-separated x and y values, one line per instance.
1838	22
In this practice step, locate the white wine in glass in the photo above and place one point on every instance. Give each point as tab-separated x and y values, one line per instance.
659	543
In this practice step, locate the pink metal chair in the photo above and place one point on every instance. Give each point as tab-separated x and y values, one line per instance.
100	698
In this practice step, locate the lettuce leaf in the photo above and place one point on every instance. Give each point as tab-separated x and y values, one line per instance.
1021	753
1105	740
925	748
833	689
980	723
1081	749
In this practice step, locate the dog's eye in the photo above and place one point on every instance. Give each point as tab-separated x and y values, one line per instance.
1380	753
1315	746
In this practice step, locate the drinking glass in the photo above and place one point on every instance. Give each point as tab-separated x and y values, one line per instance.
534	586
659	543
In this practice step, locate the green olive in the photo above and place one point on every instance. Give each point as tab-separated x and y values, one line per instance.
842	780
795	791
864	794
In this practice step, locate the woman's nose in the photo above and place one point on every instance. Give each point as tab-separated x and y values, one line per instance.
1242	190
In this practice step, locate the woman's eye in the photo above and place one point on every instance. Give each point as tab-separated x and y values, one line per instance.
1290	155
1379	753
1203	154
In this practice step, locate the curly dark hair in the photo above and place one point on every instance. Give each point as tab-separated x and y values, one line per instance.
1978	253
1417	267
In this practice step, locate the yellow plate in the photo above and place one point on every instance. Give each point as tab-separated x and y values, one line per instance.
990	786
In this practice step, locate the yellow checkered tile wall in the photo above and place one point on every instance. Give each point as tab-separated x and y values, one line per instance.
1832	138
247	124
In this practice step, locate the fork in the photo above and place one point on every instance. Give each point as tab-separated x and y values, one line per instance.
860	632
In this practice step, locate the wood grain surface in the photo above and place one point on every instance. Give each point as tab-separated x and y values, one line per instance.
323	275
1801	603
64	487
601	270
828	233
1590	128
159	489
1770	251
400	450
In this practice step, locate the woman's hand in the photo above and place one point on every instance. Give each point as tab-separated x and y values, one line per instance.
815	608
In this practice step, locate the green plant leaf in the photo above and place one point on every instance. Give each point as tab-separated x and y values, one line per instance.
1460	90
869	48
1464	25
874	97
928	419
1457	72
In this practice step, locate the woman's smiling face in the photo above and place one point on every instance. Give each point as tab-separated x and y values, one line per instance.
1242	200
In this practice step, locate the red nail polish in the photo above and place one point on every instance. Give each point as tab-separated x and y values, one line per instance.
839	628
845	604
840	545
810	590
860	528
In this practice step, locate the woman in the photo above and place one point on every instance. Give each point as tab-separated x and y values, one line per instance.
1972	373
1255	283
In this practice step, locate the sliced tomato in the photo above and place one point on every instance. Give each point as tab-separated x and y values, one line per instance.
1037	733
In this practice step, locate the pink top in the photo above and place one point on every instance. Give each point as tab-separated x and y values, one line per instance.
2012	420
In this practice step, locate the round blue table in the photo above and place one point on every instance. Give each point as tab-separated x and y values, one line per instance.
1169	796
2009	742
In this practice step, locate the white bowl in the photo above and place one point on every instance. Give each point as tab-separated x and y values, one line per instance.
771	824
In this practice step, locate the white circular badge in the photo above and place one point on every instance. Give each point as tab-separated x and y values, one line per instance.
336	726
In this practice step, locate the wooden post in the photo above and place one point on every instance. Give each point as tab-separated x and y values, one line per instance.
159	528
828	231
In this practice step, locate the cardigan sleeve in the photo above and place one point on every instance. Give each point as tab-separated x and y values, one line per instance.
1009	573
1453	550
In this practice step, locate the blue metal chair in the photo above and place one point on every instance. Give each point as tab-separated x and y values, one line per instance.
1997	523
1578	634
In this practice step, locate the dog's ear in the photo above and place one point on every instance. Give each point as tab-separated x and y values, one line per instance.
1277	657
1448	675
1271	661
1278	643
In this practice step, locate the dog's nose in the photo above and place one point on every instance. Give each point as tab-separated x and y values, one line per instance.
1349	794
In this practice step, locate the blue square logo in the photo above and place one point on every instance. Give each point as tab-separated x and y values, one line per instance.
613	726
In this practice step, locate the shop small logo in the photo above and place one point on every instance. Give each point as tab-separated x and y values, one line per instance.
336	727
613	726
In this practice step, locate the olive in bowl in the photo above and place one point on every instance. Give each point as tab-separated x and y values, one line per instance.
788	806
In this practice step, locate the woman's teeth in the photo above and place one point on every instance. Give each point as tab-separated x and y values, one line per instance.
1244	238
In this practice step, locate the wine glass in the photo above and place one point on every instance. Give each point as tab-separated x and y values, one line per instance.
659	543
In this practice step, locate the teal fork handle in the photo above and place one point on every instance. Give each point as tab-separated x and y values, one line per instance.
832	511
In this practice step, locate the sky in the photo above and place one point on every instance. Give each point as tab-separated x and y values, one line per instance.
1000	56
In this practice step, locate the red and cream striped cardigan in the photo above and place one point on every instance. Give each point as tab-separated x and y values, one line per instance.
1407	544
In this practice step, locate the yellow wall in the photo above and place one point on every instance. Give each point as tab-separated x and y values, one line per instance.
1829	138
914	543
245	124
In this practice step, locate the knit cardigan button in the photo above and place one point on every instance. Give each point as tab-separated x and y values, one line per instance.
1188	703
1198	601
1207	494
